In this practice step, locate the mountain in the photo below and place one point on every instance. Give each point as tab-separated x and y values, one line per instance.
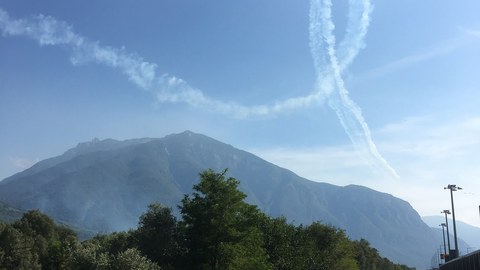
465	232
104	185
9	213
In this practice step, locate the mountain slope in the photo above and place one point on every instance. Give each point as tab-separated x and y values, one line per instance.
9	213
470	234
106	185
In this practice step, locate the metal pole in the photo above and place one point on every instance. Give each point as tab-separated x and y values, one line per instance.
454	224
452	189
439	259
448	233
444	245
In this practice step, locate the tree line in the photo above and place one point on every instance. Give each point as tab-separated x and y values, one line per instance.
218	230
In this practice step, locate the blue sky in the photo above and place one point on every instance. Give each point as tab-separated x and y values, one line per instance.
244	72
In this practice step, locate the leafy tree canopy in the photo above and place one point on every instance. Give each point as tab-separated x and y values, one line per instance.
218	230
221	229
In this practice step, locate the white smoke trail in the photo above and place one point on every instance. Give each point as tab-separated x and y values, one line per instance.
329	64
357	26
349	114
49	31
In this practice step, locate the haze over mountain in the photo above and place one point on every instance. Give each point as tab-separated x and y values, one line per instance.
468	233
9	213
105	185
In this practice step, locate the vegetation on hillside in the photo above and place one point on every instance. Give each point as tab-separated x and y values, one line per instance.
8	213
218	230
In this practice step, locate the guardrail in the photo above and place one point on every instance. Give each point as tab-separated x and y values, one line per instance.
469	261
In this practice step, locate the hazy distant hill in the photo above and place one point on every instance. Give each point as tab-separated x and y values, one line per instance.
468	233
105	185
9	213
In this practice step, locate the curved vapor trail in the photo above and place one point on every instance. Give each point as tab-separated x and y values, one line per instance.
47	30
329	64
349	114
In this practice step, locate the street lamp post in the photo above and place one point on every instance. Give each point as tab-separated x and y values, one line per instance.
452	189
444	244
447	212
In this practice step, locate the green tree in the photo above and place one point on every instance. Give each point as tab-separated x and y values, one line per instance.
100	253
369	259
133	259
115	242
284	243
222	230
52	243
90	256
316	246
328	248
16	250
158	236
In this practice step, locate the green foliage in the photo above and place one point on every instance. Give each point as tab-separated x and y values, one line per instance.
369	259
8	213
218	231
35	242
158	236
133	259
16	250
220	228
52	243
113	243
92	256
283	243
328	248
312	247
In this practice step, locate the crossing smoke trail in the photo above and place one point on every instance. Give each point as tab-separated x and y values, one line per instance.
325	55
329	64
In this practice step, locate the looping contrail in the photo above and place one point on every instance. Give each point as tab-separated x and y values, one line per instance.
329	63
322	42
47	30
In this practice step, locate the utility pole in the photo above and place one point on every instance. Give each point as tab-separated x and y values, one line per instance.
452	189
447	212
444	244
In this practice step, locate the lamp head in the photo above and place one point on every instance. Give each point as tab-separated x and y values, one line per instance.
452	187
